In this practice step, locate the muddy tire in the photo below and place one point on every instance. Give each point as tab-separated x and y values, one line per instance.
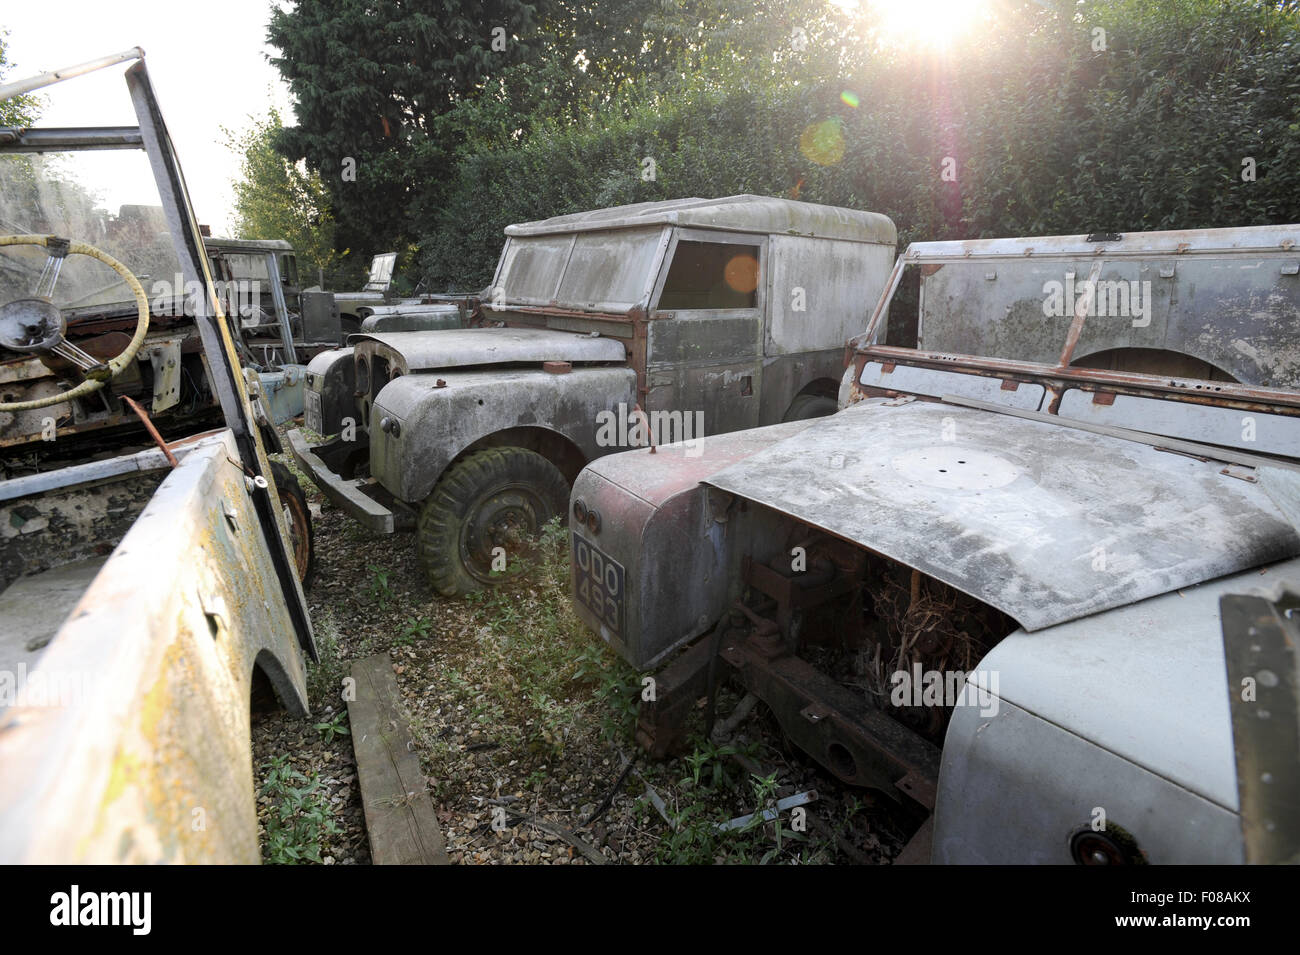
498	497
810	406
298	516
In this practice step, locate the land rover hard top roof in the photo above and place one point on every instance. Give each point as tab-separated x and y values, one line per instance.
745	213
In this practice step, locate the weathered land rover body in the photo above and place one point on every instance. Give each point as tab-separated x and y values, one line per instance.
703	315
147	581
989	586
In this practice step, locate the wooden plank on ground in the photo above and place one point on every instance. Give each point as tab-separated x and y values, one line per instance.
399	813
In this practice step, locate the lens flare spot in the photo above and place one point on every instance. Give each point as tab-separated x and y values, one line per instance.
741	273
850	98
823	142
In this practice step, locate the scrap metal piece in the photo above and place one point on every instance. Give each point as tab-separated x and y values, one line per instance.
153	431
1259	642
165	359
767	815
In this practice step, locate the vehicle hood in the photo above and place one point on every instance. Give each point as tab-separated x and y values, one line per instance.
462	347
1045	522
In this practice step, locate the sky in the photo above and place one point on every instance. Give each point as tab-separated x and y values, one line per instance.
208	62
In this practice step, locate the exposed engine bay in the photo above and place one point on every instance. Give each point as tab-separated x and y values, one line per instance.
827	629
891	620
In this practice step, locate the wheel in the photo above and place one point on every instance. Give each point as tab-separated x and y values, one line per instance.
810	406
298	517
495	498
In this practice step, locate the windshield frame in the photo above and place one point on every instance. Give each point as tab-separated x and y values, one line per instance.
1272	242
225	374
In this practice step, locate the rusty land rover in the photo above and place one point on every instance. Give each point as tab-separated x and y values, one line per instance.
657	322
149	578
989	586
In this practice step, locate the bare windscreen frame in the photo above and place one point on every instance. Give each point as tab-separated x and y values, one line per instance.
1220	315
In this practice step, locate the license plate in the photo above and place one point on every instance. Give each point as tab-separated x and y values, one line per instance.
313	416
598	583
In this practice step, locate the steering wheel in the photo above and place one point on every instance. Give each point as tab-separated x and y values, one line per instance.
36	324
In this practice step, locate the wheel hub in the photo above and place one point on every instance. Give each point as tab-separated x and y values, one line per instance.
30	324
506	519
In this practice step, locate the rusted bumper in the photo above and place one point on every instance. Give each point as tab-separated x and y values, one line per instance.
344	494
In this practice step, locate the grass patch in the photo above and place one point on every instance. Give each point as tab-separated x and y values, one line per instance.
325	678
523	702
541	669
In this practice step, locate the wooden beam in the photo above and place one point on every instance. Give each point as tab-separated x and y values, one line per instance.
399	813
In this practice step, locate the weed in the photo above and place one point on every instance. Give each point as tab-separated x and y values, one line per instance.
298	820
381	591
335	727
415	628
694	839
764	792
325	679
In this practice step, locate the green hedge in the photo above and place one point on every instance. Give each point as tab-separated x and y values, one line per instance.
1048	134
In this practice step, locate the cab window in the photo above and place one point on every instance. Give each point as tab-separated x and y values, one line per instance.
711	275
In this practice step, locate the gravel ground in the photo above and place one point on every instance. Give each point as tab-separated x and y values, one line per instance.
523	726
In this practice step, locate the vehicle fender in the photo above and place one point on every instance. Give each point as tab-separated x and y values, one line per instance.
420	423
148	759
674	543
329	399
1082	730
1018	789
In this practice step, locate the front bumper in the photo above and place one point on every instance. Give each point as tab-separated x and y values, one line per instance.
348	495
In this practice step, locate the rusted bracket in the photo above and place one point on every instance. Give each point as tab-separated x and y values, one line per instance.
649	432
791	593
661	723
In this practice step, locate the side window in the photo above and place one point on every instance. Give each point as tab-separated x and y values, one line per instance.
711	275
245	265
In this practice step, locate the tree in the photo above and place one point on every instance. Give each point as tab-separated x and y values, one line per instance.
1053	116
391	94
277	199
367	76
1047	134
20	110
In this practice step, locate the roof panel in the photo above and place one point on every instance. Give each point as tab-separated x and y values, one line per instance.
744	213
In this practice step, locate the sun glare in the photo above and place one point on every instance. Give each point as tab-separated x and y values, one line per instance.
925	22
